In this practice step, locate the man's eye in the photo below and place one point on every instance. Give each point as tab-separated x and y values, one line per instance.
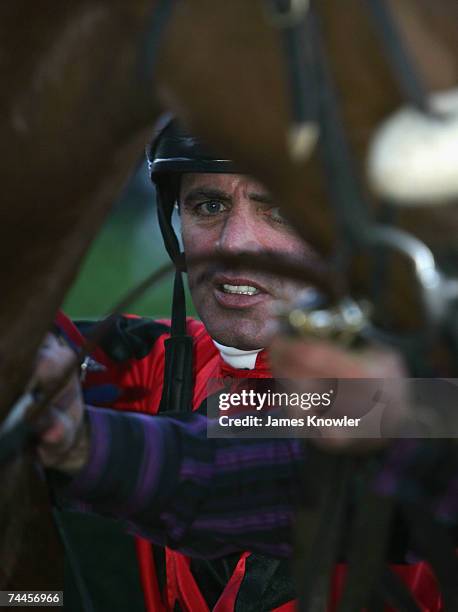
276	215
210	208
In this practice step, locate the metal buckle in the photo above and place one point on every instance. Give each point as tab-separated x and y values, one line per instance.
90	365
437	291
344	322
287	13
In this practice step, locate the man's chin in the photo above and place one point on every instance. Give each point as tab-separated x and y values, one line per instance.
246	335
247	329
238	343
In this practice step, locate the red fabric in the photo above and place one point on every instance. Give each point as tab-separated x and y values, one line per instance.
226	601
417	577
181	585
422	584
289	606
148	577
147	374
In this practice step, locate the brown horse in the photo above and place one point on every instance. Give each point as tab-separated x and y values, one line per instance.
77	108
251	123
247	114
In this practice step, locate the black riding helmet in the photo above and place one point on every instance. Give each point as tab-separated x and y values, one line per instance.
172	153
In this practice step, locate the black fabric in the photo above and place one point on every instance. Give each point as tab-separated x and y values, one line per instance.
107	560
213	576
128	338
393	591
159	565
437	545
267	584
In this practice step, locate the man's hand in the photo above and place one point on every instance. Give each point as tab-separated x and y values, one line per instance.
298	360
64	439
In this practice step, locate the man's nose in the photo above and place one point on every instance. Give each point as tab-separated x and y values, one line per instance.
240	232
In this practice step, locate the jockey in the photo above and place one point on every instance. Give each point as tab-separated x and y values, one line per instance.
161	366
221	211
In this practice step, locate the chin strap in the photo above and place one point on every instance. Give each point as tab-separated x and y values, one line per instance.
178	368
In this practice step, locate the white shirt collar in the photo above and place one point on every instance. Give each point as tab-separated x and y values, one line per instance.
237	358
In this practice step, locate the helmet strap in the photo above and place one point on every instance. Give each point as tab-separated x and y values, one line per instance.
165	223
178	380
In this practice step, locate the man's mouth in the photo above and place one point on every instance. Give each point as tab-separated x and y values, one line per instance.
239	289
238	293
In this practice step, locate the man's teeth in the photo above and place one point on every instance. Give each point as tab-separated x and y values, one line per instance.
240	289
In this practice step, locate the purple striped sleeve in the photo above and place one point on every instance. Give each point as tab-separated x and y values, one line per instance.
125	462
168	482
87	480
147	481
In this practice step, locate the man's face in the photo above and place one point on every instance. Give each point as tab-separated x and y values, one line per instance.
232	213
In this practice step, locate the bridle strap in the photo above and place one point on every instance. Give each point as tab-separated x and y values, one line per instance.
401	61
150	43
292	19
358	230
350	205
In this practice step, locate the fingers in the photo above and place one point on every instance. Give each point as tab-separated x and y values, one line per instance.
60	428
57	438
53	360
64	447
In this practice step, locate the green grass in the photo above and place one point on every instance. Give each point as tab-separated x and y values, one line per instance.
128	248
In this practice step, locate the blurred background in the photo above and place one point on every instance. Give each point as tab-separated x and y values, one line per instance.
128	248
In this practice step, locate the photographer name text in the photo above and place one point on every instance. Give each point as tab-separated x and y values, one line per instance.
311	420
